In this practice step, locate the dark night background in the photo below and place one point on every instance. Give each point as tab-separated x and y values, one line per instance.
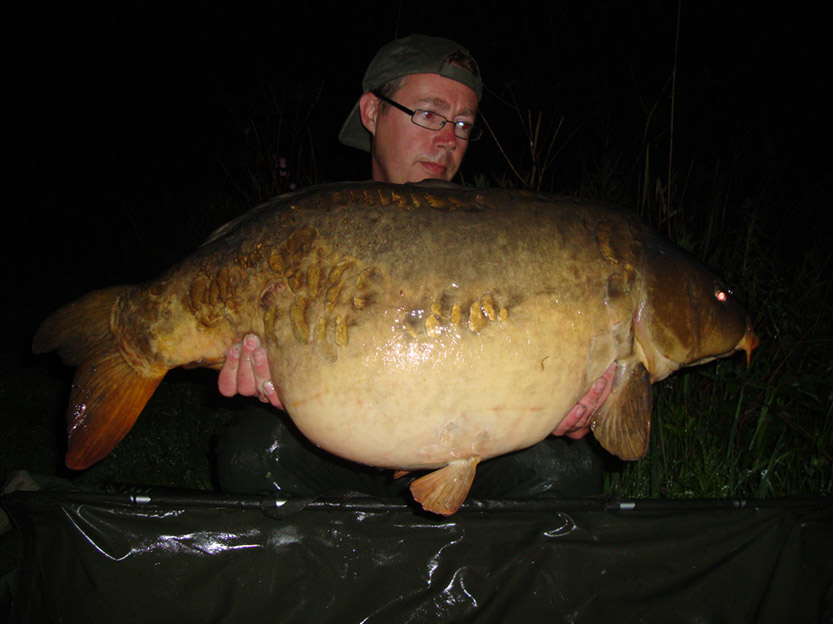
129	126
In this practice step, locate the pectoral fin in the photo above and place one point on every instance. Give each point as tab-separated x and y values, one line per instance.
444	490
622	425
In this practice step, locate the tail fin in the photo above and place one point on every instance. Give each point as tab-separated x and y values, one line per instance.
108	393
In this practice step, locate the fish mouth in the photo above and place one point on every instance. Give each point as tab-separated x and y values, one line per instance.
749	342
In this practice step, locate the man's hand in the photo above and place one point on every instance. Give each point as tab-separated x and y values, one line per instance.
576	424
246	372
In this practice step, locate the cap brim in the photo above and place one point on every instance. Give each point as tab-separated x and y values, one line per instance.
353	133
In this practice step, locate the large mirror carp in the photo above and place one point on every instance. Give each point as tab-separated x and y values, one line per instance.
411	327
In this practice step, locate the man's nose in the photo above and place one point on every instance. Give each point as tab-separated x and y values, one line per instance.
445	136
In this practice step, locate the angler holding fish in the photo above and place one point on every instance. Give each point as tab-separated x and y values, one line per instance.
406	145
412	327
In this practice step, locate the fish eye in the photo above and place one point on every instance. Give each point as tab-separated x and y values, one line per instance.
721	293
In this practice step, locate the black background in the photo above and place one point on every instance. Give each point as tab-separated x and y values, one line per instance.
127	123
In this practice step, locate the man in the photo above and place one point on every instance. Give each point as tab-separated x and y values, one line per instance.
416	118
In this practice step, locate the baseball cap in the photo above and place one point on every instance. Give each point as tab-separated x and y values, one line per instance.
414	54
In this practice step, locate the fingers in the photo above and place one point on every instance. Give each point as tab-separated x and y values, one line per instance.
574	421
270	395
576	424
600	389
227	381
259	373
578	434
260	362
246	382
246	372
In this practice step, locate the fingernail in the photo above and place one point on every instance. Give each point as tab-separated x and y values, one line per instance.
233	350
268	387
251	341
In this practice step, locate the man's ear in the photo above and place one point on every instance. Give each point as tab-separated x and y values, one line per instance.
369	109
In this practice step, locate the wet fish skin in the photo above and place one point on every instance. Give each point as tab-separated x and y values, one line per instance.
411	327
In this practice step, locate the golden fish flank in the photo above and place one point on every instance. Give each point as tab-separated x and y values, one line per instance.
341	280
314	278
439	319
213	299
328	291
323	347
297	316
301	255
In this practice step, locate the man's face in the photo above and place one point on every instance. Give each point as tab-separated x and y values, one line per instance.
405	152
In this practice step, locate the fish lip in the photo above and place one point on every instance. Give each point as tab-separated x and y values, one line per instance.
749	342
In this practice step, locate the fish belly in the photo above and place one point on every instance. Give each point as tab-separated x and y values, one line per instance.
397	400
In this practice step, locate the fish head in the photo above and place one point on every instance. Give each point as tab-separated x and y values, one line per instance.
686	314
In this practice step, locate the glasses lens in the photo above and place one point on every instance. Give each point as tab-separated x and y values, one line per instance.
427	119
474	133
435	121
465	130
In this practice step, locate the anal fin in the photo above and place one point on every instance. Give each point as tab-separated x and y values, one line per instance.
444	490
622	425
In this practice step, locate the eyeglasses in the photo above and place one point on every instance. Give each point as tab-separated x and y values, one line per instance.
434	121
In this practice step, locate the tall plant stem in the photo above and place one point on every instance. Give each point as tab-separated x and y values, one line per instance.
673	101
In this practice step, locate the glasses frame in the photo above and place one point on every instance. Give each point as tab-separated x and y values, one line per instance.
474	133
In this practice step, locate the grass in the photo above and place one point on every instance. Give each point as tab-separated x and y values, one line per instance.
724	430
